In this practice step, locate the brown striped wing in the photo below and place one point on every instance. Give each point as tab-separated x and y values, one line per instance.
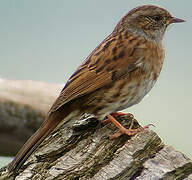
107	63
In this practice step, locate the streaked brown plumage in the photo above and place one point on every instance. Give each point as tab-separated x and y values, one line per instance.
116	75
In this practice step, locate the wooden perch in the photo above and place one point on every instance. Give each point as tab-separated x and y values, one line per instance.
85	152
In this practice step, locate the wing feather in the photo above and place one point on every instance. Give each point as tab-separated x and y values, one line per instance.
100	69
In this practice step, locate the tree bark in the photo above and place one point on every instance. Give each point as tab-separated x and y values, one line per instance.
85	151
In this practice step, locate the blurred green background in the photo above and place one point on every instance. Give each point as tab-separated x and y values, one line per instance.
46	40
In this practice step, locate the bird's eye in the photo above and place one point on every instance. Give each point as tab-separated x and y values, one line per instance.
157	18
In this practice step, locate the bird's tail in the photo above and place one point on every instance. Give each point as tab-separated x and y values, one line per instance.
48	126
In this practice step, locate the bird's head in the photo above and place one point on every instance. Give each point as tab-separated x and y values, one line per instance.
148	20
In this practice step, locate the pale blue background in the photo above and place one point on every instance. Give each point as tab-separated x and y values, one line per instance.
46	40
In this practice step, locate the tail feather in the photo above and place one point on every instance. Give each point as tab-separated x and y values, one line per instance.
35	140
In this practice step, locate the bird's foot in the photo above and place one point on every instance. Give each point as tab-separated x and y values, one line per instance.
123	130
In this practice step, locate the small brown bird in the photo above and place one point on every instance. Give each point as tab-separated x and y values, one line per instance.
115	76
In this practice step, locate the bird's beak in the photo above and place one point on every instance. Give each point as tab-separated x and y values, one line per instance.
175	20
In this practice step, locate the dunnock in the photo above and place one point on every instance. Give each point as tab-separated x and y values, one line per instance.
115	76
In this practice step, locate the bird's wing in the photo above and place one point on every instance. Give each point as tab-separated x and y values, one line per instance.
106	63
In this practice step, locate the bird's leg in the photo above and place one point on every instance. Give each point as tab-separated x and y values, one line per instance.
117	114
123	130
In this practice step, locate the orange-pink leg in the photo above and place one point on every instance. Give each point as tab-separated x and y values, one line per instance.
117	114
122	129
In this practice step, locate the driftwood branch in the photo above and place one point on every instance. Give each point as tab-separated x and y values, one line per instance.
23	105
84	151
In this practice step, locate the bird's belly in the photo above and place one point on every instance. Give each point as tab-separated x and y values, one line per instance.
135	95
132	93
120	96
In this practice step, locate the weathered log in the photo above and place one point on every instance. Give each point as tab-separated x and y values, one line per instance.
17	123
85	151
23	106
